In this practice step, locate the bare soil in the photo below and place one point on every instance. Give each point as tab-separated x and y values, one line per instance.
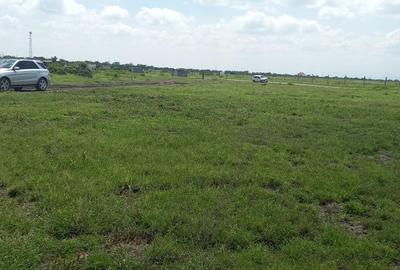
330	213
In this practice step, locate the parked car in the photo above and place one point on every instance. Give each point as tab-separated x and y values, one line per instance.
19	73
260	79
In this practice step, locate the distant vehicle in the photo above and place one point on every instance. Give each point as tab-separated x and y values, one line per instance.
260	79
19	73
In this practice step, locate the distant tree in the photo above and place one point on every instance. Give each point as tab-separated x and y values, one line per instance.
115	65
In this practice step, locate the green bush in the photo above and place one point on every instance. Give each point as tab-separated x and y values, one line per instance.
76	68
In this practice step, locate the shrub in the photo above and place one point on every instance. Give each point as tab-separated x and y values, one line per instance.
77	68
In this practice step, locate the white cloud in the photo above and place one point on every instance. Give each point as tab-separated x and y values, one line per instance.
120	28
161	17
50	6
20	6
114	12
326	8
259	22
241	4
392	39
9	20
328	12
72	7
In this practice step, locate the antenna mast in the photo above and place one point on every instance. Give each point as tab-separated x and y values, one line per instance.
30	45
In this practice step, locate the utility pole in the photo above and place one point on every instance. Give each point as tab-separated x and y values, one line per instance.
30	45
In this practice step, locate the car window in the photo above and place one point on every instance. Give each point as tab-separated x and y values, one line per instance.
6	63
42	65
26	65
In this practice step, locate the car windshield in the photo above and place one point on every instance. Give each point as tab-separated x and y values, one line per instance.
6	63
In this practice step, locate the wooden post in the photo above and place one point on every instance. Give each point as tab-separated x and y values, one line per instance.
327	80
364	81
345	77
385	81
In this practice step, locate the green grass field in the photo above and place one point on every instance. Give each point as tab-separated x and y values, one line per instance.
109	76
208	175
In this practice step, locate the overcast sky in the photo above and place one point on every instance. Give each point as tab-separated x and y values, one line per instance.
325	37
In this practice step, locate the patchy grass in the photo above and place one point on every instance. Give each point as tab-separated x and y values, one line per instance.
113	76
208	175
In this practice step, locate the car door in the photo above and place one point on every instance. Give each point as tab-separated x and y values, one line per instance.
31	73
17	75
20	75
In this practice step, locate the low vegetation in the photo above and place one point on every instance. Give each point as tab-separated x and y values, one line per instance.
77	68
210	174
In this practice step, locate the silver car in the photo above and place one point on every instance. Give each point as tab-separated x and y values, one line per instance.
260	79
19	73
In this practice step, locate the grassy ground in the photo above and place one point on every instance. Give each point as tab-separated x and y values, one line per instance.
208	175
114	76
110	76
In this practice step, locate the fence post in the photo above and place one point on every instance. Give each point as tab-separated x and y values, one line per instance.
327	80
345	77
385	81
364	81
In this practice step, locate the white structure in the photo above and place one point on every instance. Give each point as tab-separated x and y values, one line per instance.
30	45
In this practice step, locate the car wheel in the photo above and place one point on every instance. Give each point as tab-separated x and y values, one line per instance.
18	88
41	85
4	84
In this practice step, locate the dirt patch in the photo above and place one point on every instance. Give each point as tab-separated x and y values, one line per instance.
222	183
330	212
23	197
76	262
385	157
165	187
135	244
272	186
396	266
82	256
3	189
14	193
127	189
169	107
353	227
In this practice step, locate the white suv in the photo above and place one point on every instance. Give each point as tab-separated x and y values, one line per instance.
260	79
21	73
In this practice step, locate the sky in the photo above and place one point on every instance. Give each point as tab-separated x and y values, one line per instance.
323	37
